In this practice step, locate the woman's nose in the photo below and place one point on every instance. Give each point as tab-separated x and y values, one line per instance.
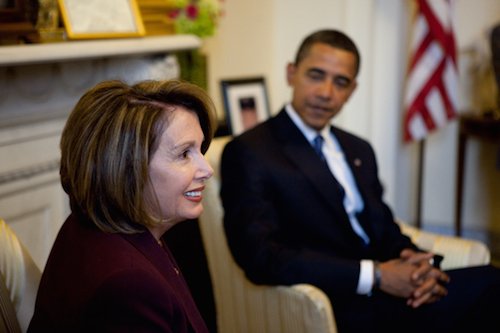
206	169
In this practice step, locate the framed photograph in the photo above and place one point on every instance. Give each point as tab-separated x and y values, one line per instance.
245	102
101	19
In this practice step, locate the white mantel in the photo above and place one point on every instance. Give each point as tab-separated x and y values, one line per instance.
40	81
29	54
39	86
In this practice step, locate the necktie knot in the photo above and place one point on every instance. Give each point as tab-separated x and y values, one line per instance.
318	146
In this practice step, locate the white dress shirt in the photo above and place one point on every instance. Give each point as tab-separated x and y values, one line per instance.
353	202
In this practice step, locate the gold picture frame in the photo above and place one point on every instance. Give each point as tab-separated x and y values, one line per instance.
91	19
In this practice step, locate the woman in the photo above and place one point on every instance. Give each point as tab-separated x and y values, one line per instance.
132	164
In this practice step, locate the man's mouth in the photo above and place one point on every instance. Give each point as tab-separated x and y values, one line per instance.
319	108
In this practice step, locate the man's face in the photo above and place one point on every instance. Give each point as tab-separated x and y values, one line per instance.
322	82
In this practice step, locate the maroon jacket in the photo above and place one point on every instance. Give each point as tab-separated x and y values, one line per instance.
101	282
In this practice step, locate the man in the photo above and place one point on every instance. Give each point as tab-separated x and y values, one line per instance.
303	209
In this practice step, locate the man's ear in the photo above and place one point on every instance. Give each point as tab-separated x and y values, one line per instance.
353	87
290	72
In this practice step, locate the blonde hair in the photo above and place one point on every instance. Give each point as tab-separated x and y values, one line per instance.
108	141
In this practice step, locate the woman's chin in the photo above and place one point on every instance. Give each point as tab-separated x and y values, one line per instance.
194	213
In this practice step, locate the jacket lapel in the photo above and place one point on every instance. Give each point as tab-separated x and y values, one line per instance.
355	162
299	152
145	243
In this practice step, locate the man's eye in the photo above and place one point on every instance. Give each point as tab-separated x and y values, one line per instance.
185	154
316	76
341	82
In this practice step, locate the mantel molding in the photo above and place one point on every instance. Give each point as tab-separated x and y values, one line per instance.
44	81
29	54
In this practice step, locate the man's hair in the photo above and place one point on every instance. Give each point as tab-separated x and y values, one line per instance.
108	142
333	38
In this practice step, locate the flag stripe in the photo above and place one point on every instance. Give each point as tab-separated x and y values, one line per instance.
431	94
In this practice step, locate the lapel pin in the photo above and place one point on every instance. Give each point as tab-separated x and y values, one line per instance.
357	162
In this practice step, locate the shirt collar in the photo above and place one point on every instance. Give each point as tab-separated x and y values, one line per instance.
306	130
310	133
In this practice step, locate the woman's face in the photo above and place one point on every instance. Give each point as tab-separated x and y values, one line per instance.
178	170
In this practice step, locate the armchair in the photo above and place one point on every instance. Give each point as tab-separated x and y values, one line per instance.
244	307
19	279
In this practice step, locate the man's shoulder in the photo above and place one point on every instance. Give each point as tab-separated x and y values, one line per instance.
344	135
256	143
257	135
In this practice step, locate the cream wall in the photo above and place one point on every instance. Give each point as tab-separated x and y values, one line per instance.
258	38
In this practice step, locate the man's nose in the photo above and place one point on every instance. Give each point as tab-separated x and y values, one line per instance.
326	89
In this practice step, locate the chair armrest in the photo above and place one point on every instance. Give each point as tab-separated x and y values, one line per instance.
312	304
20	272
458	252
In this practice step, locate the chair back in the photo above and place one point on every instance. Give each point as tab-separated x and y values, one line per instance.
19	281
242	306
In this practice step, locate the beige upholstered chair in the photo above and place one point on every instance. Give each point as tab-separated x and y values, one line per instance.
19	281
244	307
458	252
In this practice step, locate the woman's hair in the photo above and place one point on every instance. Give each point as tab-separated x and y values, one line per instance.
333	38
109	140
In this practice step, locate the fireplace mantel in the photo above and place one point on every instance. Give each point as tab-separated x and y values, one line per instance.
42	81
29	54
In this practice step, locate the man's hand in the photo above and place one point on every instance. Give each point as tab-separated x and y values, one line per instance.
428	280
396	278
412	276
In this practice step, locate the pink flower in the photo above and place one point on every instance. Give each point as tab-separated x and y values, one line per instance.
174	13
192	11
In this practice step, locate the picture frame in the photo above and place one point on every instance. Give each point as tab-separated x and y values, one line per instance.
101	19
246	103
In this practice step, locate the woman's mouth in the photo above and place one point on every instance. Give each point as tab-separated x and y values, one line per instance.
194	195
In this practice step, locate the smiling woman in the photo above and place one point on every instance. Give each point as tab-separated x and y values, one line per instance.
132	165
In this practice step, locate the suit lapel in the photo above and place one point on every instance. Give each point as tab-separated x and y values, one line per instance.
355	162
163	260
146	244
299	152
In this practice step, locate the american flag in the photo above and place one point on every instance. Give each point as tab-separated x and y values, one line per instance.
431	87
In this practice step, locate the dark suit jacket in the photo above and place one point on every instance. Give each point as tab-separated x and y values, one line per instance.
100	282
284	216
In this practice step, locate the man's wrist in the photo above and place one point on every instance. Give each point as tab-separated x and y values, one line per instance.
377	275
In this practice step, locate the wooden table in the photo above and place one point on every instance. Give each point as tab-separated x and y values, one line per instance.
471	125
